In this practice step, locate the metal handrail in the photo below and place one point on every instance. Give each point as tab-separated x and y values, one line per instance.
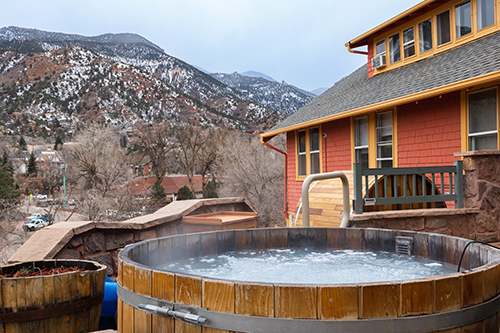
345	195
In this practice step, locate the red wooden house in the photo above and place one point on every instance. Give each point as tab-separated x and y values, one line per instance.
429	89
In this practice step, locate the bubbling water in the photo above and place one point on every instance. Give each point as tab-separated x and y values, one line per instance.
311	267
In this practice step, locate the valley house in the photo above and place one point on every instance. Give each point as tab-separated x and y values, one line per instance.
429	90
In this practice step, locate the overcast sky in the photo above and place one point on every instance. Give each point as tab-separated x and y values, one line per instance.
298	41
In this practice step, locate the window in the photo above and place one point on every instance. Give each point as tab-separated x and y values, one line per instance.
308	151
463	19
394	48
425	35
409	42
443	28
301	152
314	149
384	140
361	141
483	120
485	13
380	48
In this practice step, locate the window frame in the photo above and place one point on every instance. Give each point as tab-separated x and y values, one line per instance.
361	147
308	151
468	115
372	137
390	143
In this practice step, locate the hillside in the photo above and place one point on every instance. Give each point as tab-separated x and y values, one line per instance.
282	97
135	50
39	92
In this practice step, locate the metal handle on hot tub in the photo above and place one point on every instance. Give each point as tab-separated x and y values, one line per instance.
186	316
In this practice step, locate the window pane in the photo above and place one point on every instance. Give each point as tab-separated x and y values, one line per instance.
443	28
483	142
314	139
380	49
394	48
463	19
384	164
483	111
384	140
302	165
361	132
362	157
302	142
425	35
409	42
314	162
485	13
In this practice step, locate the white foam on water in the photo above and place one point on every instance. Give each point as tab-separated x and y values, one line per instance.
314	267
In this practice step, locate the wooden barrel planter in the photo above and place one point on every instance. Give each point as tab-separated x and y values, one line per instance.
63	302
158	300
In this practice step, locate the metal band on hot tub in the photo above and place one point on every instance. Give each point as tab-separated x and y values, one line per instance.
243	323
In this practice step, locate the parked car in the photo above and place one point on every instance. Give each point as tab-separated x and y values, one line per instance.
41	196
71	202
36	224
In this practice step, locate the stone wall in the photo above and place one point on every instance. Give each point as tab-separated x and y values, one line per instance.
101	241
482	190
453	222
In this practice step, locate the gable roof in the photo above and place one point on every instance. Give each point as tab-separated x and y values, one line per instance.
356	94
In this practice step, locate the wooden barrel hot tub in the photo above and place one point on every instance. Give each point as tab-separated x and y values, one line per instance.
149	298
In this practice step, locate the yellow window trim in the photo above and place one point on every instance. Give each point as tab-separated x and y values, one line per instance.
464	114
454	42
308	156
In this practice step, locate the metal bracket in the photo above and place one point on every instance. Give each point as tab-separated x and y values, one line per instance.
166	312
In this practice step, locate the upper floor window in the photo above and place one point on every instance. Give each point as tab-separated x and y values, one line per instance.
425	35
361	141
443	28
409	42
394	48
380	48
463	19
483	132
384	140
308	151
485	13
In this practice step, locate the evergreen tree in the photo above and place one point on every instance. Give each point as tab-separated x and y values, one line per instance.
9	191
158	195
22	143
58	144
6	163
185	193
210	191
32	169
123	141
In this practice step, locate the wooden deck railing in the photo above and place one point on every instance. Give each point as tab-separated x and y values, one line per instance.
406	191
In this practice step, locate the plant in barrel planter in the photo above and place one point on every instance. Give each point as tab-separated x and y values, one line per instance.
51	296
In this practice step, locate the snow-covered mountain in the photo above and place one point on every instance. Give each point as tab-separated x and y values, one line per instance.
282	97
137	51
258	74
74	85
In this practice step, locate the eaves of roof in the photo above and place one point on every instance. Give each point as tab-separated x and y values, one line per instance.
466	66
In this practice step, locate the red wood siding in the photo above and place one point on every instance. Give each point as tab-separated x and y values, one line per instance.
337	145
294	186
429	132
371	53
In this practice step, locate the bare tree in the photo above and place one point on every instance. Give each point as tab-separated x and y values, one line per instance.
99	165
191	142
155	144
251	170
